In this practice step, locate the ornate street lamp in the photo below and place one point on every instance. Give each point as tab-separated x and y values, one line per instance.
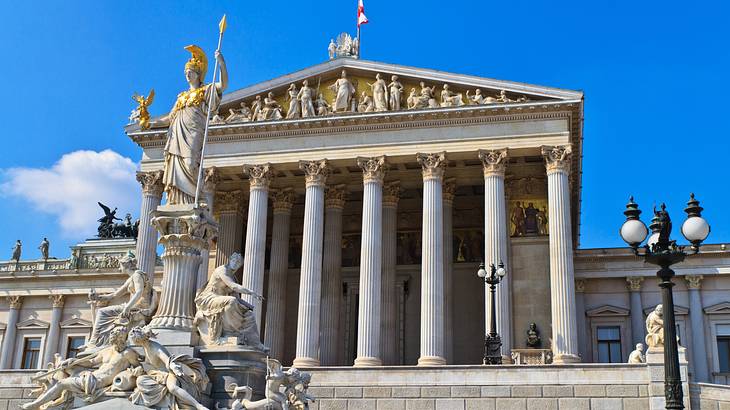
492	341
660	250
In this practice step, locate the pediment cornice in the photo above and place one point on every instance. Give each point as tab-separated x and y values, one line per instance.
718	309
33	324
75	322
607	310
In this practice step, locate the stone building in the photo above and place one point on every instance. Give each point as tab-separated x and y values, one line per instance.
364	230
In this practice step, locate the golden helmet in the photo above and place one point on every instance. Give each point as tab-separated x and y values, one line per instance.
198	61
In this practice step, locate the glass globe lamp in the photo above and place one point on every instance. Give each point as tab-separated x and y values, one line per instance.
633	232
695	228
482	273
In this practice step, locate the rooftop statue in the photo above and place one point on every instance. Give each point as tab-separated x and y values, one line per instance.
332	49
44	248
344	91
380	93
257	108
141	114
294	106
366	103
345	46
323	107
655	327
241	115
17	250
450	98
395	89
108	229
477	98
272	109
305	97
186	124
637	356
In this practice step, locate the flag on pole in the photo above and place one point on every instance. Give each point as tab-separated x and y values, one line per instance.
361	18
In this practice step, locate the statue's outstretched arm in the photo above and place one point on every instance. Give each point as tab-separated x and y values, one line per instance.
138	292
223	83
119	292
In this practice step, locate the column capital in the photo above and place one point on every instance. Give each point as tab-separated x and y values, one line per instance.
634	283
433	165
693	281
211	178
282	200
494	161
151	182
449	191
15	302
335	196
57	300
315	172
373	168
580	285
557	157
259	176
391	193
227	202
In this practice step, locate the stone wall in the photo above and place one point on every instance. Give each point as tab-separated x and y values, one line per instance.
15	387
710	396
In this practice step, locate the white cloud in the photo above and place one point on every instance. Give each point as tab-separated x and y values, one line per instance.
70	189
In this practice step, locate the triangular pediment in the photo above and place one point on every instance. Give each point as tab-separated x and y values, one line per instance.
718	309
33	324
75	322
678	310
608	310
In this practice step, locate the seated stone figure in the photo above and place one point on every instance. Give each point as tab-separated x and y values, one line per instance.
222	314
285	390
655	327
637	356
92	374
137	311
533	337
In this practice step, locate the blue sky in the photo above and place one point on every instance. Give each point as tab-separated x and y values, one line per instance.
654	76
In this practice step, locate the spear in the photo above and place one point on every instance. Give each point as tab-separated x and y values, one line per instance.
221	29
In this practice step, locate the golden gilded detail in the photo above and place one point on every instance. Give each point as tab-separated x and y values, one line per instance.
189	98
141	114
198	61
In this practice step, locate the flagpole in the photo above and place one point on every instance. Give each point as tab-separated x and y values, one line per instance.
221	29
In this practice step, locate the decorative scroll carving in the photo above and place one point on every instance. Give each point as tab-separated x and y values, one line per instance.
151	182
335	196
259	176
315	172
282	200
373	168
15	302
634	283
57	300
211	178
391	193
493	161
187	228
432	165
449	190
228	201
580	285
557	158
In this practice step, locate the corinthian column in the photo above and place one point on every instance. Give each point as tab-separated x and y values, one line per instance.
334	202
211	178
152	187
637	311
562	291
254	259
310	285
449	191
278	272
54	329
496	240
371	262
696	316
229	211
389	314
6	354
432	263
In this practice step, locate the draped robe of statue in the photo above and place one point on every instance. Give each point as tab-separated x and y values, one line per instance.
380	95
185	141
345	91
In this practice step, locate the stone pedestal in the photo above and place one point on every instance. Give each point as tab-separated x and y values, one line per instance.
233	364
185	231
655	367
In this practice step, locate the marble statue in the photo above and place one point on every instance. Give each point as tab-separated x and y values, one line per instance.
17	250
44	248
106	222
176	380
542	221
257	107
425	99
241	115
141	114
346	46
186	125
305	97
637	356
218	118
272	109
477	98
293	98
412	100
380	93
332	49
655	327
284	390
323	107
502	98
518	219
395	89
221	314
137	311
450	98
365	103
533	337
531	222
89	376
344	91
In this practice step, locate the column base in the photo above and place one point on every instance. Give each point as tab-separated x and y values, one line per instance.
566	359
305	362
431	361
366	361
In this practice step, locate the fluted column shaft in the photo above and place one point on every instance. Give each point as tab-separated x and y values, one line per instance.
449	189
278	273
496	242
562	290
432	262
389	313
211	179
146	248
637	311
310	285
54	330
330	340
228	208
371	262
697	317
581	325
254	258
8	348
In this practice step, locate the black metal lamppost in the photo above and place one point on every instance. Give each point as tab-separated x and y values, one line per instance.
492	341
662	251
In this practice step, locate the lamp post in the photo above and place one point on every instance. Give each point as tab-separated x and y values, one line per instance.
492	341
660	250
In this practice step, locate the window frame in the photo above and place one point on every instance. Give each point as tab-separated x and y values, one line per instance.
24	351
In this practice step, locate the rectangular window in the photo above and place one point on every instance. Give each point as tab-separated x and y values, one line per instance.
723	353
609	344
31	353
74	346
